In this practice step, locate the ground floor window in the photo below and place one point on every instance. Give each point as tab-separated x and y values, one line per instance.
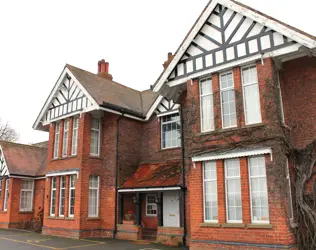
93	205
210	192
26	197
53	197
72	195
62	191
151	206
6	195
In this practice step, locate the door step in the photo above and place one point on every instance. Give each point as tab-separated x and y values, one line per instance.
149	234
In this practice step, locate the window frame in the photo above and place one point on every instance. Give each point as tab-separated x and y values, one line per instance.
147	204
169	122
69	199
75	133
98	196
56	140
221	98
99	136
226	189
62	189
32	195
211	94
6	195
204	193
250	191
243	92
53	213
65	138
1	188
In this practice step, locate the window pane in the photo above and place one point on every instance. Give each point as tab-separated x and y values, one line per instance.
210	191
228	108
170	131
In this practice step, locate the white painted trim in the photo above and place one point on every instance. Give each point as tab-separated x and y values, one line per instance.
52	213
6	165
153	107
230	155
147	189
6	195
26	177
168	113
76	172
60	190
69	197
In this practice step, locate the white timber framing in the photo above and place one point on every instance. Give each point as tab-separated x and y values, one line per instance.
217	34
4	171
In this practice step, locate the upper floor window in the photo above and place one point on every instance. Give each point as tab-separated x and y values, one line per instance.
258	190
170	131
26	197
206	102
93	206
74	147
233	191
229	118
251	95
210	192
56	142
151	206
65	137
95	137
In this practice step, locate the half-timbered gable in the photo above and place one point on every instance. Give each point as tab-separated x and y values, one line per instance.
229	34
3	165
167	107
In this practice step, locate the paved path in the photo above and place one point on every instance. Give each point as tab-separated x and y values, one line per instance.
21	240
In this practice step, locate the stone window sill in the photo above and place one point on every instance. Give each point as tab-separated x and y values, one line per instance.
233	225
210	225
60	218
260	226
64	158
223	130
93	218
26	212
169	149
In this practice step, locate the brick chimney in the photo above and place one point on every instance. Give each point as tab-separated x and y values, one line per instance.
166	63
103	70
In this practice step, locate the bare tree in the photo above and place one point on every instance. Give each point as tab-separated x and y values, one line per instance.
7	133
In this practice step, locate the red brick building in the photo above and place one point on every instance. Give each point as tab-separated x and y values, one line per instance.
194	159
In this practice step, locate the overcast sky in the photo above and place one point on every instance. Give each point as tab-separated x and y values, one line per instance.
39	37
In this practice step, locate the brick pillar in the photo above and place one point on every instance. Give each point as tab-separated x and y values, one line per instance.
193	103
221	191
48	183
245	196
239	97
51	141
217	101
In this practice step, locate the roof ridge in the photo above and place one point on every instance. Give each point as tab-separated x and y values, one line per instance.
21	144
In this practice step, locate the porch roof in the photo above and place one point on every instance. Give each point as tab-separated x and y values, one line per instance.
155	175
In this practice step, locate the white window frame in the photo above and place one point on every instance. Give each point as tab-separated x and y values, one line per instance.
212	106
204	192
75	131
243	93
6	195
98	191
65	137
51	212
290	198
250	193
0	188
169	122
221	99
70	189
151	204
27	190
62	189
226	189
99	136
56	140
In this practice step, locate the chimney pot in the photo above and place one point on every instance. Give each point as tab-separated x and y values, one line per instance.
169	59
103	70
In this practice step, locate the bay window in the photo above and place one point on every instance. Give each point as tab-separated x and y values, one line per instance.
93	206
26	196
74	143
95	137
233	191
170	131
151	206
206	105
56	142
258	190
210	192
65	138
53	197
251	95
6	195
228	104
62	190
72	190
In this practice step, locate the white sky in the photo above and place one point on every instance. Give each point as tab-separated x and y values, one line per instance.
39	37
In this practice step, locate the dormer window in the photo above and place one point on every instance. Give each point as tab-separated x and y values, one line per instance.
170	131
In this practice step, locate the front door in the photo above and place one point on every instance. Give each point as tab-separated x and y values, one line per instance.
171	209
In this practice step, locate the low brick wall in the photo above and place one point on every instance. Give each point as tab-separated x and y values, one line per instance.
128	232
172	236
239	246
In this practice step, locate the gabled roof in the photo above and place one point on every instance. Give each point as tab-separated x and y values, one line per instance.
23	160
155	175
202	40
78	91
